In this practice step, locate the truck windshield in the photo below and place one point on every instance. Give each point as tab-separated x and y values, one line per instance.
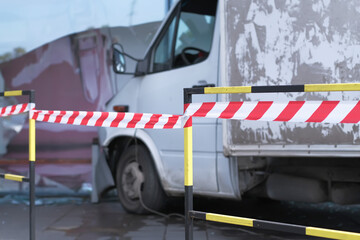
193	36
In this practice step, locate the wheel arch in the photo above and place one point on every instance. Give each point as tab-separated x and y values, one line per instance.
120	142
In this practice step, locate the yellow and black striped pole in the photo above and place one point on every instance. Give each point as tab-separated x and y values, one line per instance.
188	170
32	158
188	182
14	177
12	93
276	226
337	87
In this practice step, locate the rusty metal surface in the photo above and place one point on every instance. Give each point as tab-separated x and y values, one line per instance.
291	42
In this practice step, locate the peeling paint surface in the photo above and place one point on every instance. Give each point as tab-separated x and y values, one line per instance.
283	42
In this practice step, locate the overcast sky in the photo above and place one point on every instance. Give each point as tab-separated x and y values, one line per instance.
30	24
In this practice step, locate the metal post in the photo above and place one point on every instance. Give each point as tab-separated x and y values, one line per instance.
188	182
188	172
32	169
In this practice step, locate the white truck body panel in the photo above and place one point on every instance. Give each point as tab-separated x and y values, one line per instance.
290	43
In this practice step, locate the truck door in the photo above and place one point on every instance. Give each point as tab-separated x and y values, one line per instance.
184	54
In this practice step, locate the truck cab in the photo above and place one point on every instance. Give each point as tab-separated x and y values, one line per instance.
184	53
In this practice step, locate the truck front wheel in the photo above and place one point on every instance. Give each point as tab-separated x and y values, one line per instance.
135	175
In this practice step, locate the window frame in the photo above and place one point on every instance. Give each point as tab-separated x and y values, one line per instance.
159	38
176	14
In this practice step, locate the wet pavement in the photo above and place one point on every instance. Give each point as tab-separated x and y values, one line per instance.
77	218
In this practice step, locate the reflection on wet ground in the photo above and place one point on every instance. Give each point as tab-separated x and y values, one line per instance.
76	218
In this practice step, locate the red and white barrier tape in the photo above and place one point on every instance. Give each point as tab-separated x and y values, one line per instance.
109	119
291	111
16	109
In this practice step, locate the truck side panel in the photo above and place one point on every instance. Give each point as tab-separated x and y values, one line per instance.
291	42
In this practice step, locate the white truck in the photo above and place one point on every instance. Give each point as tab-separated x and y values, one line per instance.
237	43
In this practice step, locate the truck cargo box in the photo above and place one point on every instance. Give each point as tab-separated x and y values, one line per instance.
290	42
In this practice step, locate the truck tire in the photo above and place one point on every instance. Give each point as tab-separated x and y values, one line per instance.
135	175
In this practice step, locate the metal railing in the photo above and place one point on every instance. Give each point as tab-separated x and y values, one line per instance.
191	214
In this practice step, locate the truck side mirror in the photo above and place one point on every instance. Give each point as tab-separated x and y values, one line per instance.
118	61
